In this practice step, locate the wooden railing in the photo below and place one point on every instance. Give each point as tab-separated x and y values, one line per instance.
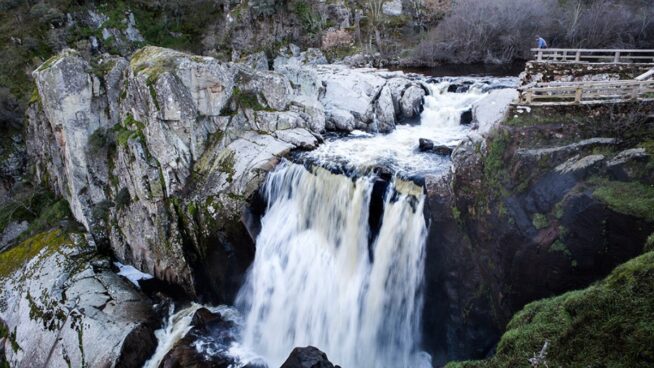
571	93
593	56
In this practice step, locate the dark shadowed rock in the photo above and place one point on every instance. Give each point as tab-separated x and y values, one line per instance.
466	117
442	150
308	357
425	145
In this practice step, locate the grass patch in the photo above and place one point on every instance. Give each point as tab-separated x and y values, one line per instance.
610	324
630	198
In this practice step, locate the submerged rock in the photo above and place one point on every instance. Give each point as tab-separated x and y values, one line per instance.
466	117
308	357
426	145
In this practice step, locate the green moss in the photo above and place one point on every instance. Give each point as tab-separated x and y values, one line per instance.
630	198
226	165
610	324
648	146
13	259
247	100
48	63
494	162
649	244
559	246
456	214
540	221
123	198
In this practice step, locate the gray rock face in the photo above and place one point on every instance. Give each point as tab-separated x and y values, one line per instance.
159	155
163	124
63	312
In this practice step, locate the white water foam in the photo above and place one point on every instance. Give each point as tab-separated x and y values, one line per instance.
314	282
398	150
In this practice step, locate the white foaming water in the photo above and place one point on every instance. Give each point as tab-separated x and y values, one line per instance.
398	150
174	329
315	281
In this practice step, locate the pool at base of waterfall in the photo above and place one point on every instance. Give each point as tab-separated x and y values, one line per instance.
340	256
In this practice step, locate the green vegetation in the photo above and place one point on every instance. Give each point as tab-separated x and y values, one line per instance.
559	246
494	163
35	205
123	198
246	100
630	198
14	258
540	221
609	324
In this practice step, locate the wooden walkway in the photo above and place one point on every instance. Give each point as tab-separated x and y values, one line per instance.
612	56
586	93
640	88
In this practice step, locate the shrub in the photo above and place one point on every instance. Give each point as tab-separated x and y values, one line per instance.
503	30
337	38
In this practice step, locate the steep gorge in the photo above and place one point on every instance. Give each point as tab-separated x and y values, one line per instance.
162	157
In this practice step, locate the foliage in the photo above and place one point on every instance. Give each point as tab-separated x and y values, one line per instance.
503	30
608	324
337	38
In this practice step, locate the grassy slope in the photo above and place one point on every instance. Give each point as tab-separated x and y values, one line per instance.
609	324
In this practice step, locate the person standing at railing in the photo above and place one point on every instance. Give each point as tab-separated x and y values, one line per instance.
540	42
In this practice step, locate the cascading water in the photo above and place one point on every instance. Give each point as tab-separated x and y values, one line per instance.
338	265
317	281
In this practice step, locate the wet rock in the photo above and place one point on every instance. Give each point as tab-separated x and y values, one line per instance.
442	150
466	117
308	357
490	110
412	102
425	145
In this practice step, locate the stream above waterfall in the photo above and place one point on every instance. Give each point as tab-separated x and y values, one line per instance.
340	256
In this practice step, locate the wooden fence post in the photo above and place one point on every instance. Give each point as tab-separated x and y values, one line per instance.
616	59
578	56
578	93
540	55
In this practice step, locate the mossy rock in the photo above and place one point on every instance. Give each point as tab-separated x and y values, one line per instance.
609	324
16	257
630	198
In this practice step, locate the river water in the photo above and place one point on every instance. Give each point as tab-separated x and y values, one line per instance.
340	258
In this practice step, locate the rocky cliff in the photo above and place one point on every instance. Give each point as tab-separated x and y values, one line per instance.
552	200
160	155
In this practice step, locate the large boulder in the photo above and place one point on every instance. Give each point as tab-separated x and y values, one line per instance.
62	310
308	357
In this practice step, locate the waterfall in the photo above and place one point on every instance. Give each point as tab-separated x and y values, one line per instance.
174	329
320	278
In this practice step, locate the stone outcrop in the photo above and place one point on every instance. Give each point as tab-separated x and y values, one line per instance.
65	307
159	156
122	140
365	99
